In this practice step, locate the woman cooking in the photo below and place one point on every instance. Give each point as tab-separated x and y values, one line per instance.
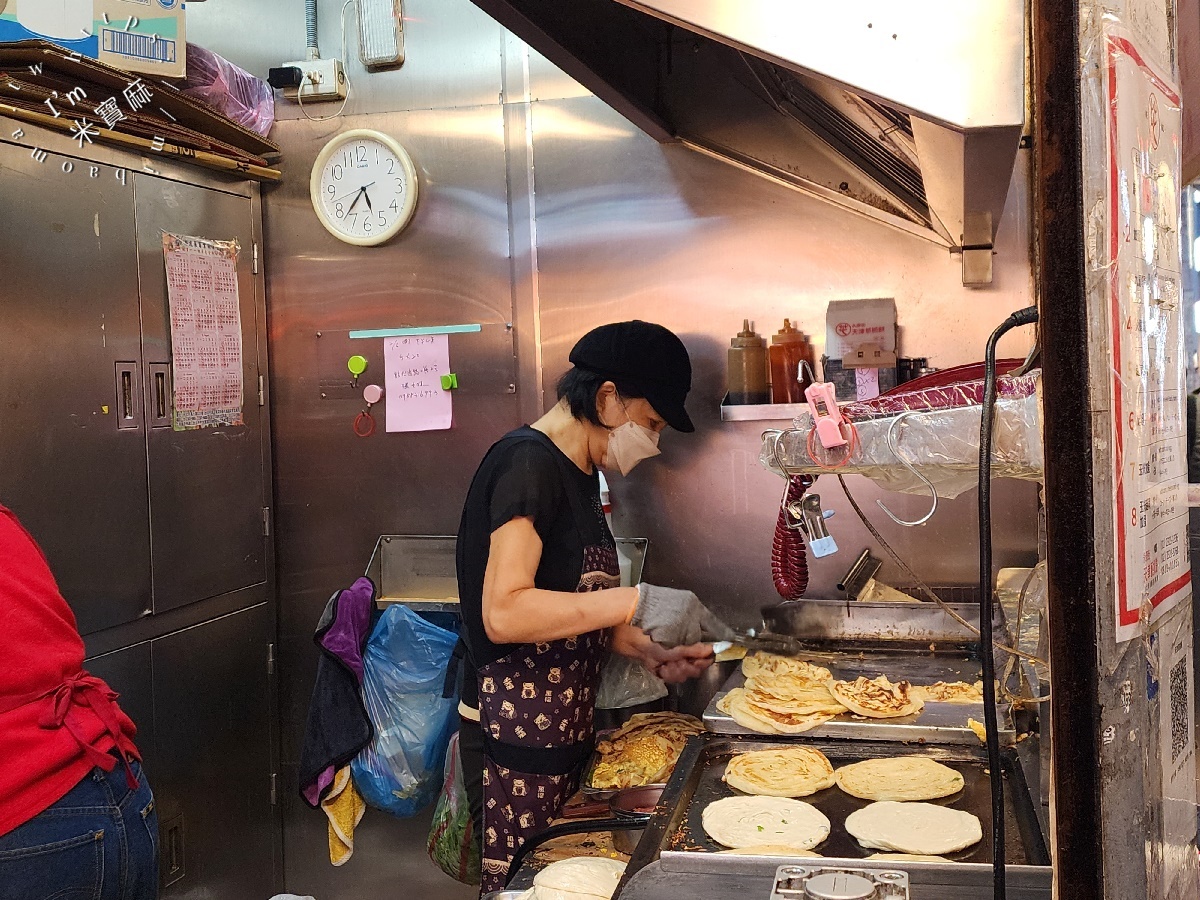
539	584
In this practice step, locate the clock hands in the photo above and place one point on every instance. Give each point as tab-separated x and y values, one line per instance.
358	193
342	198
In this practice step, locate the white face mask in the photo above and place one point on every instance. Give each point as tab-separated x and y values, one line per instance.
629	444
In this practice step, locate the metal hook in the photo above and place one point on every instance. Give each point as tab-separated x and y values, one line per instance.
812	375
776	434
793	512
894	445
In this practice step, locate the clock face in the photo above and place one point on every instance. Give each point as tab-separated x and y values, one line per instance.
363	187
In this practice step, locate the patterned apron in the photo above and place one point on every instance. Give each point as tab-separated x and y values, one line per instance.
539	699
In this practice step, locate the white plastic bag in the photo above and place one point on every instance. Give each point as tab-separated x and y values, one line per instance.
626	682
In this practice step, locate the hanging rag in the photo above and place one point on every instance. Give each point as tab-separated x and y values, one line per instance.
338	726
344	807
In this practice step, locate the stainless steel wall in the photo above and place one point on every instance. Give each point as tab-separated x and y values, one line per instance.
627	228
541	207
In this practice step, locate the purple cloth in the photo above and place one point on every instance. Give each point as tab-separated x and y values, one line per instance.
348	633
313	792
338	726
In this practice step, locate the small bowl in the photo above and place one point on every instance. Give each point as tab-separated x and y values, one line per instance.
636	801
633	803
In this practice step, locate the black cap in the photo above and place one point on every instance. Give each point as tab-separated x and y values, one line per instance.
645	357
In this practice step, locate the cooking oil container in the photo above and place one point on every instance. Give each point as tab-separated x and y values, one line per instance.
747	375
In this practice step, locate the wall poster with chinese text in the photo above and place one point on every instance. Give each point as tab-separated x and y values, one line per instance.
1150	503
206	331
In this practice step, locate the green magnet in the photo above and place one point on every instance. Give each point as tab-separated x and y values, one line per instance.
357	365
449	382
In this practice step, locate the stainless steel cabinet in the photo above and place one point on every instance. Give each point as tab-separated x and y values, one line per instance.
136	518
156	536
201	699
206	485
72	430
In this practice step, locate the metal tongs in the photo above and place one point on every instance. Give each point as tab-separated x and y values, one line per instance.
768	642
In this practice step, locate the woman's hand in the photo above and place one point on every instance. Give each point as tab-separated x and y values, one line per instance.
672	666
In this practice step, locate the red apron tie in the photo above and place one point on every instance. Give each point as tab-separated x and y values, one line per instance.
85	689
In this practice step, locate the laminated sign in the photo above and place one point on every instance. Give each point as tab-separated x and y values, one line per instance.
1147	387
206	331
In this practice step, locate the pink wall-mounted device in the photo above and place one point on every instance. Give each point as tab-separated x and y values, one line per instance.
827	418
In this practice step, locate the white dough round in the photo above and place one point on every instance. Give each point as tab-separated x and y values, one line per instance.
748	821
899	778
925	829
580	877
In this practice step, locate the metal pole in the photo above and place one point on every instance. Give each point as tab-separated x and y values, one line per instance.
1059	272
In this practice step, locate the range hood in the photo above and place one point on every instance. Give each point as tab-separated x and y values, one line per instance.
907	112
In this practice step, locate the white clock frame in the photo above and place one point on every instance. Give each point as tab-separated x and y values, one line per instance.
315	186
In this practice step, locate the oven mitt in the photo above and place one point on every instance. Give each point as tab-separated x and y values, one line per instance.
675	618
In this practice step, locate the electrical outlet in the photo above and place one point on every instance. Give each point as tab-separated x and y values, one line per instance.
320	80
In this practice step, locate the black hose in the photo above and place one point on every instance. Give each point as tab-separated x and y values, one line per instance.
1026	316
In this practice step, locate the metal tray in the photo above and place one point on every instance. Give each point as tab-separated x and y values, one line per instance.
872	620
674	844
937	723
585	783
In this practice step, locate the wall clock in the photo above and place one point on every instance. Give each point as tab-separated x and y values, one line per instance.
363	187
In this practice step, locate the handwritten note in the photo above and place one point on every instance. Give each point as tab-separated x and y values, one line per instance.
413	383
866	382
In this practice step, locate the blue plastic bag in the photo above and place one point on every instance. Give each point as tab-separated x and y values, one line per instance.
400	771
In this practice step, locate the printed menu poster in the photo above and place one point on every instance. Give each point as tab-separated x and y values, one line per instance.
206	331
1150	459
414	366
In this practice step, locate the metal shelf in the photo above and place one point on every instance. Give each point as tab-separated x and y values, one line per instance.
761	412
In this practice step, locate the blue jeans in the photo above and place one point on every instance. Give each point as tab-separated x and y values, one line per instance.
99	842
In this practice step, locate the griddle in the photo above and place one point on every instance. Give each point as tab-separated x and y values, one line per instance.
703	764
675	845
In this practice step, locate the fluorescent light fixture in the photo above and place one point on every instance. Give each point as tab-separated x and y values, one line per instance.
381	32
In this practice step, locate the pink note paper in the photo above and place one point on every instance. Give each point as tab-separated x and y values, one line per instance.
414	367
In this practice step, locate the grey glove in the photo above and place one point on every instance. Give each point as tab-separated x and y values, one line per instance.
675	618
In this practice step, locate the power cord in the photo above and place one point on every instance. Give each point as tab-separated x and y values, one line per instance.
920	582
1026	316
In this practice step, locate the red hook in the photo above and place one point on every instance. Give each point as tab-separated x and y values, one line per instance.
364	424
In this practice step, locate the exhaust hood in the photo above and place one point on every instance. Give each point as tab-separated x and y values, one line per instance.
910	113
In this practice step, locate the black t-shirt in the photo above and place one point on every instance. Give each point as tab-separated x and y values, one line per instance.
524	474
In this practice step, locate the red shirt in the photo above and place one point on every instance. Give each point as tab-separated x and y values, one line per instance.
56	721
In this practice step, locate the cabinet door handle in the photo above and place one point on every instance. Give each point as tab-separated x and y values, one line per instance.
128	414
160	395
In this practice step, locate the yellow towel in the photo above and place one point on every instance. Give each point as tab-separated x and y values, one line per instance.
345	807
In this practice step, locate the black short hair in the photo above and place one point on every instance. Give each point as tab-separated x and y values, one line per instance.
579	388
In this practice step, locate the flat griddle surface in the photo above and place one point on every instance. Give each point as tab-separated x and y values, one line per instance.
692	789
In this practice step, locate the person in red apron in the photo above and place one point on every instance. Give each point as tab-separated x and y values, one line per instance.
77	817
540	588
